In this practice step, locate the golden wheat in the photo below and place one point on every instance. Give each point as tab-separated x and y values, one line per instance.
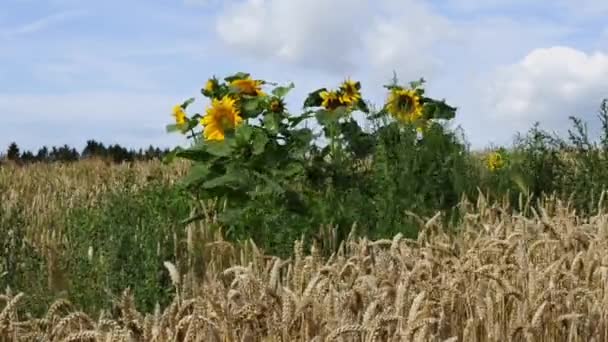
499	278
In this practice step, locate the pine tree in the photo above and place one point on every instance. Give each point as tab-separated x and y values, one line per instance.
13	152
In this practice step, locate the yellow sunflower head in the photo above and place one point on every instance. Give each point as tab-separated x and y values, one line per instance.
248	86
495	161
219	117
404	105
179	114
331	99
349	92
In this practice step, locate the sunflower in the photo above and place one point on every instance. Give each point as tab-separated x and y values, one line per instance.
495	161
222	115
277	105
179	114
331	100
404	105
349	92
210	85
248	86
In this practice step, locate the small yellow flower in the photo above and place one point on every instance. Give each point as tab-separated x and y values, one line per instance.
179	114
220	116
404	105
495	161
248	86
331	100
349	93
210	85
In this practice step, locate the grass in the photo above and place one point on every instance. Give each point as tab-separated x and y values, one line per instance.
87	229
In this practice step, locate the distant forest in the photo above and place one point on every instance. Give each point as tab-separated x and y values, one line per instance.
93	149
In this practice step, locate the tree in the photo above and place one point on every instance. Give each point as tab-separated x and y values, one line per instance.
94	149
64	154
13	152
43	154
28	157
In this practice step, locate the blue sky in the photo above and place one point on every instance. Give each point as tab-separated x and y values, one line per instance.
111	70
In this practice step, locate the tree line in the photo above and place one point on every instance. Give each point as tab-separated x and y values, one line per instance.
93	149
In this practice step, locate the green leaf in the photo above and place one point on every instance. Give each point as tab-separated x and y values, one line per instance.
243	134
237	76
187	102
260	140
296	120
362	106
418	83
191	124
195	154
314	99
173	128
197	173
282	91
270	186
230	179
250	105
434	109
325	117
293	169
218	148
271	122
170	157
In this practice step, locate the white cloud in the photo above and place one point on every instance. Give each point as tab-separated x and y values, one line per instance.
548	85
315	33
403	38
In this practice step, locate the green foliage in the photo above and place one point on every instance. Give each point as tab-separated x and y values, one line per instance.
122	242
279	182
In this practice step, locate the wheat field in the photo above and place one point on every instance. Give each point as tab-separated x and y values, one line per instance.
500	277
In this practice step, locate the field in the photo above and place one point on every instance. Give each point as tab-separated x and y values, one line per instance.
92	251
259	232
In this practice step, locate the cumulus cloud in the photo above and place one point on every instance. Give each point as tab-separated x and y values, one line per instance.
304	32
548	85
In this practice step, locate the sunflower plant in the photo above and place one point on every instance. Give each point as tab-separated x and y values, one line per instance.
248	150
410	106
245	145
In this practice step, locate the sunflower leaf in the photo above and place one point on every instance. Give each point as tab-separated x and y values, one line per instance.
434	109
296	120
172	128
362	106
282	91
250	105
231	179
260	140
243	134
314	99
187	103
218	148
170	157
197	173
237	76
271	122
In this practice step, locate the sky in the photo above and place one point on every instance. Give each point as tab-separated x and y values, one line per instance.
73	70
